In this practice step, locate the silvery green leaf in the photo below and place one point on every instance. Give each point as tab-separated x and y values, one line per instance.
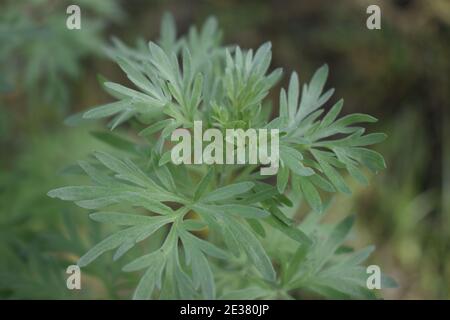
227	192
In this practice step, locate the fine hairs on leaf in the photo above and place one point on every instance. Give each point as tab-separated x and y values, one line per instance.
223	231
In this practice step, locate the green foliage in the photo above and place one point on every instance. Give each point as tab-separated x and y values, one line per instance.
217	220
39	54
41	237
326	268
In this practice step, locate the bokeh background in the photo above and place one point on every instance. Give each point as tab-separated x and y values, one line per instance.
399	74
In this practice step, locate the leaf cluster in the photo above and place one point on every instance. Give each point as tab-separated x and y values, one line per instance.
213	218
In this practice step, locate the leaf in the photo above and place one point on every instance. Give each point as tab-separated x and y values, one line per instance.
163	64
318	80
341	231
127	171
282	178
123	248
312	97
257	227
332	114
280	215
231	240
293	95
79	193
148	282
75	120
133	94
227	192
121	118
165	158
115	141
331	173
168	32
360	256
235	209
284	115
292	159
204	246
98	203
259	196
126	219
335	239
352	119
108	109
253	248
201	271
156	127
111	242
357	174
201	187
131	235
373	160
196	91
296	260
202	274
293	233
194	225
311	195
164	176
322	183
141	200
142	262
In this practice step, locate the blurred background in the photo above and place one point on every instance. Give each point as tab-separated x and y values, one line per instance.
399	74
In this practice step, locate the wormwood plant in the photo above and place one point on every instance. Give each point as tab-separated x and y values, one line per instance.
219	221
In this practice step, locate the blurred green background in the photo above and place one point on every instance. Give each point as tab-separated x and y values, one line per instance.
399	74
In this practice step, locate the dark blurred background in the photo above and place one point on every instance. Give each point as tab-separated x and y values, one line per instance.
399	74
